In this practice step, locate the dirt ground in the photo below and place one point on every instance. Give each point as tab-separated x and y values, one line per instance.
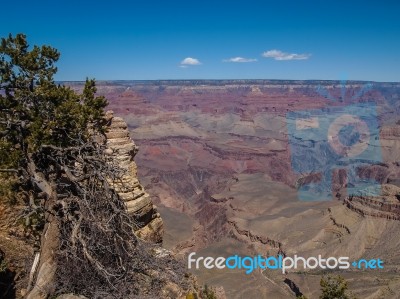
15	254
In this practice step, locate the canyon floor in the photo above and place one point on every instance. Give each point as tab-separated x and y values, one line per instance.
216	158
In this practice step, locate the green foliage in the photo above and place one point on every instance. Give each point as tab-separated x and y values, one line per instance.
207	293
9	154
8	189
191	296
334	287
34	110
3	266
92	107
204	293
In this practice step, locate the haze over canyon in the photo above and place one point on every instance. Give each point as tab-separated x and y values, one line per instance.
215	157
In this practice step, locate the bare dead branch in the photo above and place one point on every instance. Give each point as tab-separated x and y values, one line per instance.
9	170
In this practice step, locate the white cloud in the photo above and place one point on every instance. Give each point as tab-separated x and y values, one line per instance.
240	59
279	55
189	61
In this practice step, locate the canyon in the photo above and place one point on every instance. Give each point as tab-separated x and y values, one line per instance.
216	158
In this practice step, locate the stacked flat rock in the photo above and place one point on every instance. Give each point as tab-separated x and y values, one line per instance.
122	150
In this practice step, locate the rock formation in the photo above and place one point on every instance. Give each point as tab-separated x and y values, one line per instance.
197	135
122	150
386	206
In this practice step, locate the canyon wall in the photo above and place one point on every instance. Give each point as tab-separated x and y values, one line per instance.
122	150
386	206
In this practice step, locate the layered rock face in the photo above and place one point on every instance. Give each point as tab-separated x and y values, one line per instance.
122	150
217	159
386	206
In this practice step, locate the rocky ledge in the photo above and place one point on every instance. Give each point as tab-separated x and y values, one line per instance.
385	206
122	150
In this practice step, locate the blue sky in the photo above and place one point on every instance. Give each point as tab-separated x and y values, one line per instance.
130	40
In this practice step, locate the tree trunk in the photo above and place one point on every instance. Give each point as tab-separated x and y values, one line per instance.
43	272
43	281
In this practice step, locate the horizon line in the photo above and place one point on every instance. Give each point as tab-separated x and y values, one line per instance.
188	80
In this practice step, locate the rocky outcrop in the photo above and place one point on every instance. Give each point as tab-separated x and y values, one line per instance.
386	206
256	238
390	132
293	287
122	150
338	225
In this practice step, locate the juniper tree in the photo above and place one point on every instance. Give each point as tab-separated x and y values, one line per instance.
52	146
34	110
334	287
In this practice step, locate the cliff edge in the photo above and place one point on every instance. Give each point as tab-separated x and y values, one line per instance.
122	150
